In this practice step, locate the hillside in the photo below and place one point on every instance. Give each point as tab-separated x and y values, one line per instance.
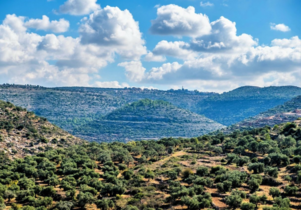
146	119
73	107
23	133
234	106
257	169
286	112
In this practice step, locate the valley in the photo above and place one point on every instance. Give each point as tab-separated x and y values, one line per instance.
255	169
73	108
150	105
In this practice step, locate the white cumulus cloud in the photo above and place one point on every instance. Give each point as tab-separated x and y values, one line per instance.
279	27
79	7
45	24
294	42
116	28
56	60
177	21
221	59
156	58
278	64
134	70
223	37
177	49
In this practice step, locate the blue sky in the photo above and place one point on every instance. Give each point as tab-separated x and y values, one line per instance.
193	46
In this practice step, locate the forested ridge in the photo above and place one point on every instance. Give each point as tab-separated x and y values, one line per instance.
73	107
253	169
146	119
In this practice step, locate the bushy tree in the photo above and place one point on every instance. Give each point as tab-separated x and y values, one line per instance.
271	171
149	175
254	184
8	194
225	186
274	192
64	205
263	147
105	204
256	167
85	198
243	160
253	146
234	200
247	206
257	199
282	202
290	190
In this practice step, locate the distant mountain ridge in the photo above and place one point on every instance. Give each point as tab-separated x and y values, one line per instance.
254	92
73	107
69	107
146	119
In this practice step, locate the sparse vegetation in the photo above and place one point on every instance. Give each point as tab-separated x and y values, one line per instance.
22	132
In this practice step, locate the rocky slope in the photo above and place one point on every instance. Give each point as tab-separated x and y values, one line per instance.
23	133
147	119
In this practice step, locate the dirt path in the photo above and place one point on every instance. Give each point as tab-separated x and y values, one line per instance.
164	160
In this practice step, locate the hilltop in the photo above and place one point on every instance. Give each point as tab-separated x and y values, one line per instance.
256	169
286	112
147	119
23	133
253	92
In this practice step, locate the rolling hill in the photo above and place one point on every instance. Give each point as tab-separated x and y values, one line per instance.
73	107
286	112
23	133
70	107
244	102
146	119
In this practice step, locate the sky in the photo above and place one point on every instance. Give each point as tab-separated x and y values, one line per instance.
215	45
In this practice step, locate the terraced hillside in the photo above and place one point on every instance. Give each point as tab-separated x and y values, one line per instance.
244	102
23	133
147	119
257	169
286	112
